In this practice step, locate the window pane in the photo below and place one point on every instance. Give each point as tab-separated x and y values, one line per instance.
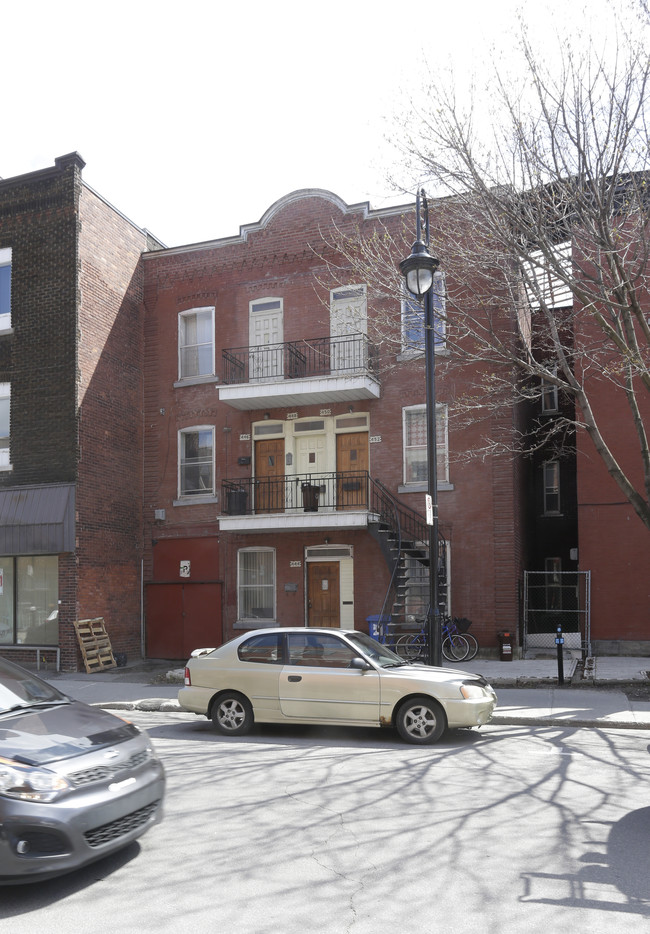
196	351
6	600
256	585
38	600
5	296
552	487
415	445
264	649
196	463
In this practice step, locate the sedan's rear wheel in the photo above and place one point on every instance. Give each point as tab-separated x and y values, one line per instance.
232	714
421	720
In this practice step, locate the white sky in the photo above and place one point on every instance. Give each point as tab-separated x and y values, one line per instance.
193	118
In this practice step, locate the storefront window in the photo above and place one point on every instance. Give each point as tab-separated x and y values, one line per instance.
29	600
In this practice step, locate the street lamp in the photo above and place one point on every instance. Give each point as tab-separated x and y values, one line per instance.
418	271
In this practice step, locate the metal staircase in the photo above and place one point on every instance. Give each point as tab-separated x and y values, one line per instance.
403	536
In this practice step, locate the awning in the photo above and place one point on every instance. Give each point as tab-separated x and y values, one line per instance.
37	520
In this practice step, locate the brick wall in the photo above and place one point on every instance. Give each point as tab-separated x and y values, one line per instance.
110	353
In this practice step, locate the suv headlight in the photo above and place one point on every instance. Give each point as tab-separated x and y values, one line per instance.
30	783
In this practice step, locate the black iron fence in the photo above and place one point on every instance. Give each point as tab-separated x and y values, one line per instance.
295	492
321	356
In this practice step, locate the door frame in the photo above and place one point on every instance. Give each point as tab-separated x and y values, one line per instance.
344	555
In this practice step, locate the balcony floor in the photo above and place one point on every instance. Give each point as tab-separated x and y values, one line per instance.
295	392
294	521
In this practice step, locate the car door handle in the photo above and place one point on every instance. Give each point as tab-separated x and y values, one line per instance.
295	677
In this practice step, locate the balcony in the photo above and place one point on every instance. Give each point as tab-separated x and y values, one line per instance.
338	499
315	371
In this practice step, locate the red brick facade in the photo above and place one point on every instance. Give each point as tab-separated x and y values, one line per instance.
479	507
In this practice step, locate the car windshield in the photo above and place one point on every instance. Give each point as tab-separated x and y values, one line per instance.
20	688
375	651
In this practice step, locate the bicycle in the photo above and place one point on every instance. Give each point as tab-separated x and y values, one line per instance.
461	626
455	646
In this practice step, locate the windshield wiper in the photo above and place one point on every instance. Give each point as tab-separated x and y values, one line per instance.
19	707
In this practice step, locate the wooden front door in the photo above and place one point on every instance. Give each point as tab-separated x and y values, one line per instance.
352	467
269	465
323	594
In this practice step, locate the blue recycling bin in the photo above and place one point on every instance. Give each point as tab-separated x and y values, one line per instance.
378	626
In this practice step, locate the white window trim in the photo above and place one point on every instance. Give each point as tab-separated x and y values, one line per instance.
5	393
442	411
206	377
554	491
195	497
408	302
245	622
549	392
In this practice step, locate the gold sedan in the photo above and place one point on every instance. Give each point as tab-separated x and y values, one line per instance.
329	676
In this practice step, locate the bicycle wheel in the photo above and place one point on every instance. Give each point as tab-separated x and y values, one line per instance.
410	647
402	646
455	648
472	642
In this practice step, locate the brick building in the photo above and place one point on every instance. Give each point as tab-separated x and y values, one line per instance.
208	438
71	347
284	448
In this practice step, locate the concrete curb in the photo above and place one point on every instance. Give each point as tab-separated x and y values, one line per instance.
505	720
164	705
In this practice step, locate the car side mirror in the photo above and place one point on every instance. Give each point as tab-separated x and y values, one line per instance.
361	664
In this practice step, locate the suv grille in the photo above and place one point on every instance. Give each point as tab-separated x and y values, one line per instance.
102	773
120	827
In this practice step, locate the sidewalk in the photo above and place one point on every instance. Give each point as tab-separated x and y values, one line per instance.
528	690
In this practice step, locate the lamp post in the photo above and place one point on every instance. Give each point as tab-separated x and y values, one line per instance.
418	271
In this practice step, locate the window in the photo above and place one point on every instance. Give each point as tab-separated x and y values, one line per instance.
319	650
5	289
256	583
5	406
196	461
415	444
29	600
551	488
413	330
196	343
549	397
265	649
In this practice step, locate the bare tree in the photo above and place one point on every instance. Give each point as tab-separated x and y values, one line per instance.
541	224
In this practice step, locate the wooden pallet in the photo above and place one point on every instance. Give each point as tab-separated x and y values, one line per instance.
95	644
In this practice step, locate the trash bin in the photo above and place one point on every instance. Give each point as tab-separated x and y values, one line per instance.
236	502
377	626
310	494
505	646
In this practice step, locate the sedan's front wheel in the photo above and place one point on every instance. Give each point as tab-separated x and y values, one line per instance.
421	720
232	714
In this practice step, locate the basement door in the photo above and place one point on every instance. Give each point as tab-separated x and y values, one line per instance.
323	594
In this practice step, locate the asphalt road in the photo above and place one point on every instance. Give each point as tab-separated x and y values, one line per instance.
287	831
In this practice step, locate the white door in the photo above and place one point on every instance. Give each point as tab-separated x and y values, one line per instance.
348	327
266	334
311	455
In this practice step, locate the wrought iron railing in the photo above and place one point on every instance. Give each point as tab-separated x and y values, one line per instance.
320	356
306	492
